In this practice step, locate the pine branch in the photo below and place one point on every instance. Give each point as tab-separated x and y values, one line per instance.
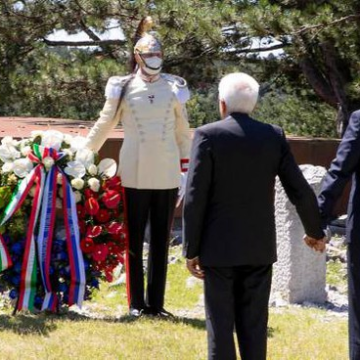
88	31
322	26
84	43
260	49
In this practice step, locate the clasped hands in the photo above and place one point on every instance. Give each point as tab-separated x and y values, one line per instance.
316	244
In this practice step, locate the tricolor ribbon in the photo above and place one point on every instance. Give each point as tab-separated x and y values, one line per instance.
27	289
5	260
45	198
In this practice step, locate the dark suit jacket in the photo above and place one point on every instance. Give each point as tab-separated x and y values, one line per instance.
345	165
229	201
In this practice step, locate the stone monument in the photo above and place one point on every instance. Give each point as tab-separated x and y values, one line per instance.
300	273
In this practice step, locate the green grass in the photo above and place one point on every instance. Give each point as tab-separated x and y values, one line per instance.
295	333
336	274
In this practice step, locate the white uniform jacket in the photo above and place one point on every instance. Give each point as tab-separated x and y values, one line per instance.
156	130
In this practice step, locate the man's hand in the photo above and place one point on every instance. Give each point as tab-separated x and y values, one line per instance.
316	244
194	267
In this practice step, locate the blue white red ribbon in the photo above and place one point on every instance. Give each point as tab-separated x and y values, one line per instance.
45	198
77	269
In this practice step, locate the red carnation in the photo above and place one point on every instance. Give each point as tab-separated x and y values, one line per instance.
111	199
100	252
102	216
93	231
87	245
92	206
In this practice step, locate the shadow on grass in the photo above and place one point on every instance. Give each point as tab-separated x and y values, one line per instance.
27	324
127	319
270	332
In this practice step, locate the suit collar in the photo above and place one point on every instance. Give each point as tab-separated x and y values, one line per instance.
239	116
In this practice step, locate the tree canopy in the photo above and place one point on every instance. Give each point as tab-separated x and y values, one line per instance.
314	76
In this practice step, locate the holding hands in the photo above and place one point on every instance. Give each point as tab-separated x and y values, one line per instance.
316	244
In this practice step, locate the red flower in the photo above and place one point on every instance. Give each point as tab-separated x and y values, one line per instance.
93	231
109	276
82	226
80	211
116	213
113	184
111	199
121	258
89	194
100	252
87	245
92	206
114	228
99	266
113	248
102	216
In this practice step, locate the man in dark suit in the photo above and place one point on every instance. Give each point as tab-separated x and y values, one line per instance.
344	166
229	225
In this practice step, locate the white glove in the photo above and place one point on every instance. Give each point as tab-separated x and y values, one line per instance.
181	192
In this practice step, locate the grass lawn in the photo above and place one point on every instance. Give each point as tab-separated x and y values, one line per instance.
295	333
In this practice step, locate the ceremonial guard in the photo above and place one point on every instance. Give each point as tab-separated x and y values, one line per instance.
151	107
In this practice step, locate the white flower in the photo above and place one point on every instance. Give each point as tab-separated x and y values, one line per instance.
8	152
107	167
36	133
59	179
61	193
24	142
48	162
77	183
52	139
8	140
7	167
85	156
94	184
59	203
25	150
78	143
22	167
92	169
77	196
68	139
32	191
68	153
75	169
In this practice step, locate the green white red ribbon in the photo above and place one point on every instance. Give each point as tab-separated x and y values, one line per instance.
45	198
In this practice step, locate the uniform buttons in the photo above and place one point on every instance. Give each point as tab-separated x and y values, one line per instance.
141	132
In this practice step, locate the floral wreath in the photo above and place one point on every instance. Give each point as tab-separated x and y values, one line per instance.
61	224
